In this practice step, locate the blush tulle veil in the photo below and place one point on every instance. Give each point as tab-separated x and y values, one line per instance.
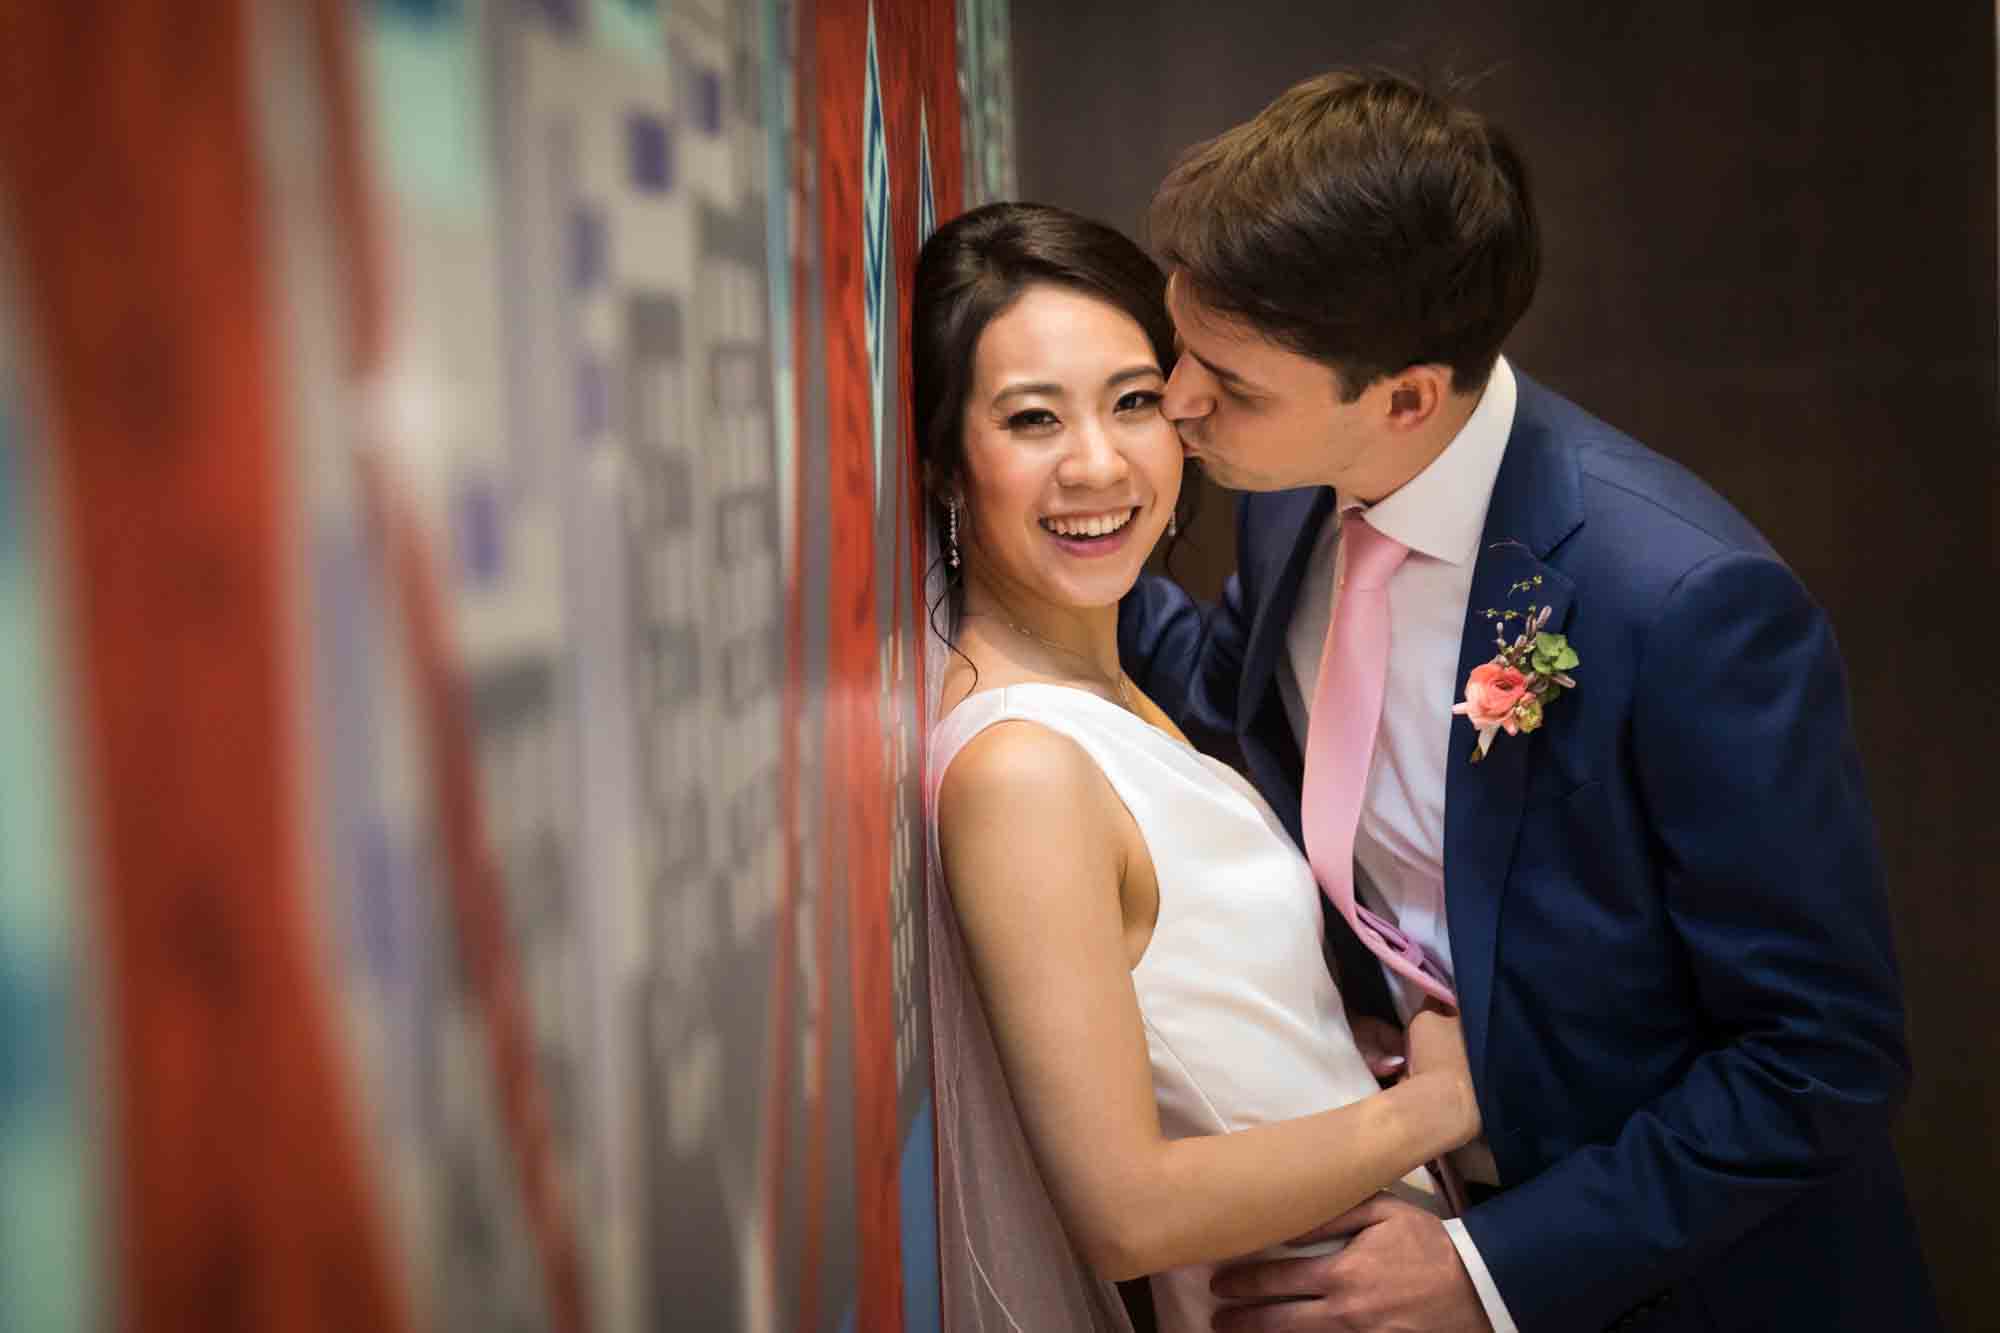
1005	1263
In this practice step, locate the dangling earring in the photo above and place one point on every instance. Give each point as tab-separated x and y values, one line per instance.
1173	524
951	535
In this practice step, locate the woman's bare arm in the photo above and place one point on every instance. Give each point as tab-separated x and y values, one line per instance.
1033	841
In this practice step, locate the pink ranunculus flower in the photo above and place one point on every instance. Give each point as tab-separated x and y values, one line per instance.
1491	693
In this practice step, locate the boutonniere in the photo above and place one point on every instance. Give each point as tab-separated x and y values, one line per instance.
1510	692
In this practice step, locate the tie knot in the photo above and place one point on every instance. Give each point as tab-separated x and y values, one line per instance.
1371	556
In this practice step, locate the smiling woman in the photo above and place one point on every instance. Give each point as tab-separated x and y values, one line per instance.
1067	458
1166	1048
1000	304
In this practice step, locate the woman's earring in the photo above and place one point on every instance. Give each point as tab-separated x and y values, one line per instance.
951	535
1173	524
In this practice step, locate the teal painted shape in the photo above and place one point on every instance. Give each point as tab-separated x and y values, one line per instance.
926	185
48	1258
777	90
429	114
923	1298
875	251
637	27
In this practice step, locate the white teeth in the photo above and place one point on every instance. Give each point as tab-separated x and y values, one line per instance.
1097	525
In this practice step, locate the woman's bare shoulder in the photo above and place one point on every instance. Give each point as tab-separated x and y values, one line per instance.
1018	766
1018	783
1034	840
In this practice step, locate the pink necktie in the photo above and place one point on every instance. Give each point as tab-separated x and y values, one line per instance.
1340	743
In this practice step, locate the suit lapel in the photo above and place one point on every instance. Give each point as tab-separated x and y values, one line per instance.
1536	504
1288	524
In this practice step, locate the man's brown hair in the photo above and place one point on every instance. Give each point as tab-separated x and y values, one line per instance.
1361	220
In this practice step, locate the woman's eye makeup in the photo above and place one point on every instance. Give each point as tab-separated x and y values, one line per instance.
1042	418
1031	418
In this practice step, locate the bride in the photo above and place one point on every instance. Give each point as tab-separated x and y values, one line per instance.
1141	936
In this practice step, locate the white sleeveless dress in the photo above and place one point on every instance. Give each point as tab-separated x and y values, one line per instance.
1243	1023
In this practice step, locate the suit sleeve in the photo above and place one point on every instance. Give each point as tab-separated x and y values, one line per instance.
1772	880
1188	655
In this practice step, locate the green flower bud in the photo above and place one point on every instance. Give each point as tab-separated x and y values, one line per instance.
1528	713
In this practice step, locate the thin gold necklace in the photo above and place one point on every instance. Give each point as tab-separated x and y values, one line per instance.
1124	694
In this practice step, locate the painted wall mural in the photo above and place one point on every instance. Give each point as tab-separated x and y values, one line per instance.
462	659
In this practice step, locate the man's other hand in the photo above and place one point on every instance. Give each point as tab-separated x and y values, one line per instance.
1400	1273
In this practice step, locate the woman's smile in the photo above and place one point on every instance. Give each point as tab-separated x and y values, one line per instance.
1090	535
1070	468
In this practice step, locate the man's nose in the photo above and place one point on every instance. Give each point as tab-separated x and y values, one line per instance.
1190	393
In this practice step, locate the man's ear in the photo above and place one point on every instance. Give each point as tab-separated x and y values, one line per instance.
1415	393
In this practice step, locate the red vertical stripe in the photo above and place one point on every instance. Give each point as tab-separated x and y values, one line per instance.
854	735
128	159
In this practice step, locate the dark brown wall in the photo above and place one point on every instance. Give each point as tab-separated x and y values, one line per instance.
1770	255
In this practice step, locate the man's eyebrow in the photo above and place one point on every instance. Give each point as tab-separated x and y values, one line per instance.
1223	373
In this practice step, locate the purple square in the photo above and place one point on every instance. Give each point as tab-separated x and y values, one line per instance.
649	153
706	96
375	907
479	532
586	249
593	399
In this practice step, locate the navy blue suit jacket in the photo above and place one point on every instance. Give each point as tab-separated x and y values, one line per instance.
1673	953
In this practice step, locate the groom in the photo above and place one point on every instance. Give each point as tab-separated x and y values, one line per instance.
1656	897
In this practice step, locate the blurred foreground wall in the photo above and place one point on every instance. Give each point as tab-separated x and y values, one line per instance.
460	659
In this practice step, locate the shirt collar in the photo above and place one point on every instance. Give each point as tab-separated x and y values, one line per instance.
1441	511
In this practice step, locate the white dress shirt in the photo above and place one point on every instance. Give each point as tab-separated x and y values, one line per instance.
1399	840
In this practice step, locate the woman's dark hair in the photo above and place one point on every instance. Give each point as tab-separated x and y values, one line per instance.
975	267
1361	220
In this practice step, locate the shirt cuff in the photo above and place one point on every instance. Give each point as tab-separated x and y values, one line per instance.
1482	1281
